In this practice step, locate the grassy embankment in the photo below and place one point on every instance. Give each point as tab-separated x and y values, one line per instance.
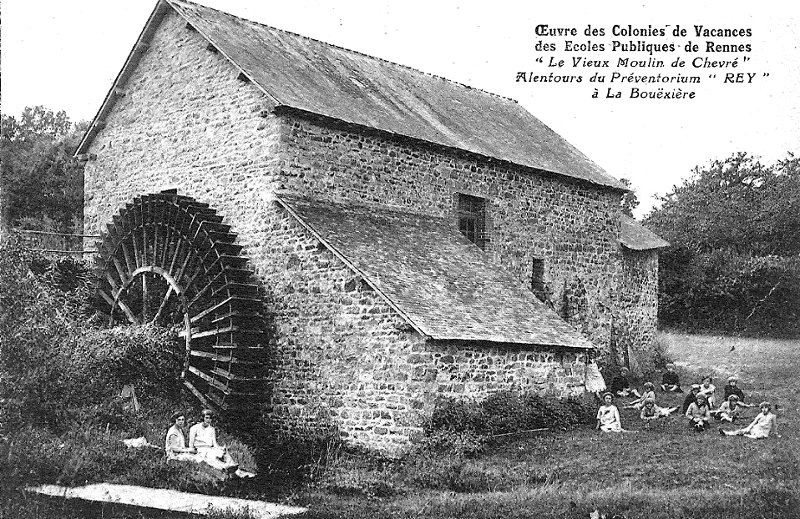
667	471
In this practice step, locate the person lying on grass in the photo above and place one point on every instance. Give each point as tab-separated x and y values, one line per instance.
203	438
650	411
608	416
648	392
707	389
670	382
175	444
691	398
620	385
730	409
699	414
763	426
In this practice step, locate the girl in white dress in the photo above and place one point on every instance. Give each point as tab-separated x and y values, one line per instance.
764	425
608	416
203	437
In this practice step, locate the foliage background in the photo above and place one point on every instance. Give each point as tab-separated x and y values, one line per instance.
36	150
734	260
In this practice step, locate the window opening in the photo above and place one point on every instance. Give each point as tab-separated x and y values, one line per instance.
472	219
537	279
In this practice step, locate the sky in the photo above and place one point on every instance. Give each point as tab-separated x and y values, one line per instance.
65	56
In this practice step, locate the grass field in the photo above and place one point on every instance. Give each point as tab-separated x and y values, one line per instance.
665	472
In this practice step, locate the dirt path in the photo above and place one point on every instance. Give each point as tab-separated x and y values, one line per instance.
164	499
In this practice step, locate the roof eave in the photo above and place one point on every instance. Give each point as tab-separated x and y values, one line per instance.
587	346
642	249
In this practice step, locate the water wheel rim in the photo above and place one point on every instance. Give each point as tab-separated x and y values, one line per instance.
183	246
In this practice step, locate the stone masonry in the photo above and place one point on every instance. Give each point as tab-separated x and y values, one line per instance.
340	352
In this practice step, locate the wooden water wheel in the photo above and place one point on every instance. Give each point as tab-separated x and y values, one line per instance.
168	259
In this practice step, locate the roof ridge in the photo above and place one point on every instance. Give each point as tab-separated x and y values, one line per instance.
464	85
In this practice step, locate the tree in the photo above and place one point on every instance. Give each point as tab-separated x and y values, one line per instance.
42	184
629	200
734	259
736	204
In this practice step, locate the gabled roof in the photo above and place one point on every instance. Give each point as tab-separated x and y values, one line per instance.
636	236
312	76
441	283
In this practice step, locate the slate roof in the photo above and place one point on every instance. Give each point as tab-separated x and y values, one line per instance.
443	284
309	75
636	236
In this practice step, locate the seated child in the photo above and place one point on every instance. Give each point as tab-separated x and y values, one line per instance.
729	410
691	397
763	425
620	385
648	392
732	388
670	382
608	416
699	414
650	411
707	389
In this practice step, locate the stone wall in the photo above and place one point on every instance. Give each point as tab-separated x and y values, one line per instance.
476	370
185	122
341	351
636	327
573	226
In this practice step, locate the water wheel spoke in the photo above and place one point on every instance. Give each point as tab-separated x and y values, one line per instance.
163	305
123	277
145	299
131	264
114	303
175	255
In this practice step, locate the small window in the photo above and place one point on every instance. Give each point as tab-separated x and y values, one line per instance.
472	219
537	279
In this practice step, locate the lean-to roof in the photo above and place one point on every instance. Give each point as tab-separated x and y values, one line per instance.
636	236
443	284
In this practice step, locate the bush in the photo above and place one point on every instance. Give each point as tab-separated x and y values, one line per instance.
302	456
61	416
725	291
661	353
464	427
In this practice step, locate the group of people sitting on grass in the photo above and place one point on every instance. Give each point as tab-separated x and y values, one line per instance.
203	446
699	406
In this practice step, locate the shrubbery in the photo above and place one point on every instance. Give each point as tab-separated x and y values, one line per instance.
733	263
61	373
465	426
723	290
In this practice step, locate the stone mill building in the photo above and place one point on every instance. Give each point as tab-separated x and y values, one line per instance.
339	239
